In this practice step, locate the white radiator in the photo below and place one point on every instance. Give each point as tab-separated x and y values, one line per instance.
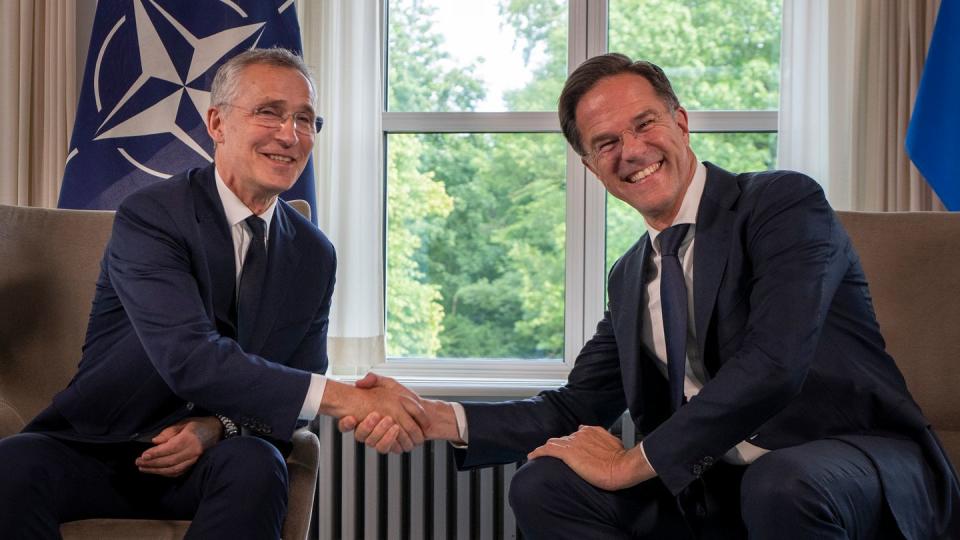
415	496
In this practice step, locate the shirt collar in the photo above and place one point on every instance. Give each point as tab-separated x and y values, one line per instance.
234	208
689	206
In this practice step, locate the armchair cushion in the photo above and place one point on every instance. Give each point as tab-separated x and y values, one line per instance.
912	264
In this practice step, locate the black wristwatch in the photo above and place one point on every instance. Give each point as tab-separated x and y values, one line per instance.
229	428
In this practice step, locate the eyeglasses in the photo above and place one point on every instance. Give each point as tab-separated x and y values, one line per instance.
607	149
304	123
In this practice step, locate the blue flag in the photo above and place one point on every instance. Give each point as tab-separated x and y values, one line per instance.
146	89
933	137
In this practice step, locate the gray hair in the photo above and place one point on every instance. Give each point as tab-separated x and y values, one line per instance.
600	67
225	86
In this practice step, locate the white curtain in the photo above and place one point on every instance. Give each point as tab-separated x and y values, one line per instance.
849	76
816	93
341	42
38	98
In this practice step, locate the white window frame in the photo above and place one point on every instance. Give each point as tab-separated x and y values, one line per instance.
585	226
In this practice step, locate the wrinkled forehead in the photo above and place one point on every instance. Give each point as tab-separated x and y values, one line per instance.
622	95
607	113
268	83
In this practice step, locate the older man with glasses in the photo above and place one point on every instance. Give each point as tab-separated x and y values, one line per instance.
209	324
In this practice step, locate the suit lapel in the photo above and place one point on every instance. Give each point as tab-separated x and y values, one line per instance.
714	229
644	386
218	247
282	260
629	320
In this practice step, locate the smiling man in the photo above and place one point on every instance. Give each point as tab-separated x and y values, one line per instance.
741	338
206	340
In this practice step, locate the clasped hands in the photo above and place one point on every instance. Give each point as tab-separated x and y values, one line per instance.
397	419
389	417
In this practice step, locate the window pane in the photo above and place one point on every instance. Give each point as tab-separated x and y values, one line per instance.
735	152
452	55
475	245
718	54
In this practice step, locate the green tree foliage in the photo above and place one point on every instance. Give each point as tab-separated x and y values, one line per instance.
417	80
718	55
541	27
417	207
497	260
476	221
417	202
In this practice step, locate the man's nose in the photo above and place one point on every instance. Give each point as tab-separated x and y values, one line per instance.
287	132
632	146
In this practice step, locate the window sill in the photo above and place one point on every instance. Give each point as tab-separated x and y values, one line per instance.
472	377
474	387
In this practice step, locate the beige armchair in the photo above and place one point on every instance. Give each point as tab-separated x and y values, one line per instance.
912	263
49	262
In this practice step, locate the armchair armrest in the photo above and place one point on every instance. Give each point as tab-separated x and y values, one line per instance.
302	466
10	420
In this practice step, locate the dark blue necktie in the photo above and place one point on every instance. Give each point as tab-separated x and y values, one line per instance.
251	281
673	299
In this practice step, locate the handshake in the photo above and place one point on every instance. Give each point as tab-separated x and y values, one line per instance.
388	416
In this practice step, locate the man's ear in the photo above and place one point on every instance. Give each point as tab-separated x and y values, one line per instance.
215	125
680	116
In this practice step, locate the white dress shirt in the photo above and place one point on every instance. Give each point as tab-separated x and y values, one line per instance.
236	213
652	334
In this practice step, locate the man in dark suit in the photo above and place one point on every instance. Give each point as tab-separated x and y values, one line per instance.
741	337
210	316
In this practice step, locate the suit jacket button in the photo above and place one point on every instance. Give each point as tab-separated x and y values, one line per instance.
190	406
700	510
697	469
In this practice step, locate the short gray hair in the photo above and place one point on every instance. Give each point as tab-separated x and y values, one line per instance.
225	86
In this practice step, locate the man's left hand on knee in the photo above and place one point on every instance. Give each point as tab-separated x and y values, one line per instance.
599	458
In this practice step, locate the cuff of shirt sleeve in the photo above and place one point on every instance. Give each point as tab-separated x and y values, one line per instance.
311	404
644	454
461	416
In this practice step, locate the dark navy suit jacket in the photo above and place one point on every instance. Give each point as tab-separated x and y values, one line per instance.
790	341
160	345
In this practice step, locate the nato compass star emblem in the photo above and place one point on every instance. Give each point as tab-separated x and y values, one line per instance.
147	88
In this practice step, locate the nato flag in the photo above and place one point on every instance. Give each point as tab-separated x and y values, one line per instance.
933	137
146	89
